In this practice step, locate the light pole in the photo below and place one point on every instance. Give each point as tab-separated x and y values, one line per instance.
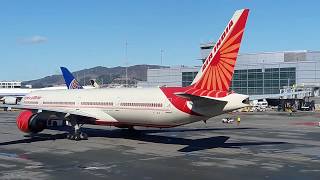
126	62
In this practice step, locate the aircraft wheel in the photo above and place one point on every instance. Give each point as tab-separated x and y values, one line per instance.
84	136
77	137
73	137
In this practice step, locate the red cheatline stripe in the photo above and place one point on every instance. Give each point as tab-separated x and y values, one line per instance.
307	123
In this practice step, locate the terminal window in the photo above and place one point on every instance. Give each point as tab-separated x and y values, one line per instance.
187	78
255	81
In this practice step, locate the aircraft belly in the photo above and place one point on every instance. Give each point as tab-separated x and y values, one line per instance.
152	117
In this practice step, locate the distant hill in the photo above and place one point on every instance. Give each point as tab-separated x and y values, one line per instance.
104	75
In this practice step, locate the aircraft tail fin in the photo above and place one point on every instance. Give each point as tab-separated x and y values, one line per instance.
69	79
94	83
217	71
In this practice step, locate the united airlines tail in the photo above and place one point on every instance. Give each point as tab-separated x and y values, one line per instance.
217	71
69	79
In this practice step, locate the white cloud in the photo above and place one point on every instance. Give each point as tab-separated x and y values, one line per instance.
36	39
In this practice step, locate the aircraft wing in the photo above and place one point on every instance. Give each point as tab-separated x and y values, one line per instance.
86	112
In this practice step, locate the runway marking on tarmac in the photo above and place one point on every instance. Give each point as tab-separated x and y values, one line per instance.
307	123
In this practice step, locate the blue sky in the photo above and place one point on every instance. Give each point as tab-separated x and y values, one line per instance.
37	37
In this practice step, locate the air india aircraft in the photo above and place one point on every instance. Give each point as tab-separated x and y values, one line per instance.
163	107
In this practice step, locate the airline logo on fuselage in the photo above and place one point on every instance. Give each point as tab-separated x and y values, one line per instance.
217	45
32	97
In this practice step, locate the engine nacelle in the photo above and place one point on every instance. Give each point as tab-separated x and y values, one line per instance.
29	122
10	100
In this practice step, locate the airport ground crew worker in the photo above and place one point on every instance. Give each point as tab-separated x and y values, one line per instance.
290	111
238	121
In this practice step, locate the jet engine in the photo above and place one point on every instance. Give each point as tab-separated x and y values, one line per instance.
9	100
29	122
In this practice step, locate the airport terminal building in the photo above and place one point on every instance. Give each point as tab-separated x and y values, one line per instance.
255	73
10	84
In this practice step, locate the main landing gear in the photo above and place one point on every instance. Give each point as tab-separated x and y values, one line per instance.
76	134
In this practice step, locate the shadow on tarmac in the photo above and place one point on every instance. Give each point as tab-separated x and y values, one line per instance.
148	131
191	145
36	138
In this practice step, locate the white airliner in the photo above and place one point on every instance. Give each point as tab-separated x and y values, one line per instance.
14	95
11	96
164	107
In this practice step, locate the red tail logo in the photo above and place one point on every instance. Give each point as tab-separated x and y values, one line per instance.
213	79
217	71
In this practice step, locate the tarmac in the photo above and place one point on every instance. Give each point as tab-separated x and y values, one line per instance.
266	145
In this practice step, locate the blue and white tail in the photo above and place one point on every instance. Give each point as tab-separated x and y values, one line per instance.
69	79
